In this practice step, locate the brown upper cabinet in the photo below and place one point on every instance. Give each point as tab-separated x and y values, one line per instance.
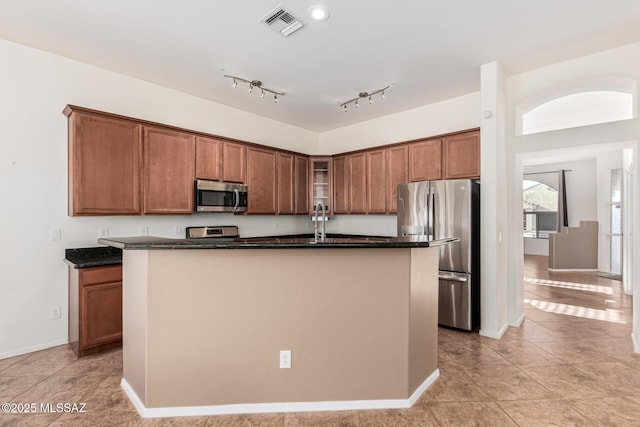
461	155
233	162
105	156
124	166
261	180
376	181
301	189
424	160
169	171
286	183
220	160
357	184
397	173
340	185
208	158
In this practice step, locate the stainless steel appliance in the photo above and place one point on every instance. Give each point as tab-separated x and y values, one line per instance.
440	209
213	196
225	233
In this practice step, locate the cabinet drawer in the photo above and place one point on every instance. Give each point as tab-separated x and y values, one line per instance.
90	276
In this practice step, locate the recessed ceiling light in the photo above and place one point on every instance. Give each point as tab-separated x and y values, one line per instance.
319	13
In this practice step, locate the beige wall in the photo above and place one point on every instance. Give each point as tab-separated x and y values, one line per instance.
575	248
361	324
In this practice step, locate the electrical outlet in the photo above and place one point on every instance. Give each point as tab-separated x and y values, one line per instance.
177	230
103	233
275	227
55	234
144	230
285	359
56	312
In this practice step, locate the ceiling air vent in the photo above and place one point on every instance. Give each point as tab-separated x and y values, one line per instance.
282	21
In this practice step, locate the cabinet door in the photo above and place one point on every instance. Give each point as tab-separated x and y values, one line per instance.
340	185
397	173
461	155
301	189
425	160
104	165
357	183
261	181
285	180
169	171
233	162
101	317
208	158
376	181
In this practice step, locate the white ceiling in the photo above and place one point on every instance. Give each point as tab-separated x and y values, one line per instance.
428	50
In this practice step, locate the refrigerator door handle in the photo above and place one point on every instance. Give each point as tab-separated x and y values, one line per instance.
432	217
453	278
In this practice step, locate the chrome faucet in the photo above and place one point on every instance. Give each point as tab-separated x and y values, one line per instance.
322	235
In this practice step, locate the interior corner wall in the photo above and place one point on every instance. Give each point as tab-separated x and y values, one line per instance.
494	208
452	115
35	88
442	117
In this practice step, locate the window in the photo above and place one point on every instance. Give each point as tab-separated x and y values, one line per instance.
540	203
577	103
615	226
579	109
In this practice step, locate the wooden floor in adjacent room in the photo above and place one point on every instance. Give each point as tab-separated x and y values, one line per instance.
570	363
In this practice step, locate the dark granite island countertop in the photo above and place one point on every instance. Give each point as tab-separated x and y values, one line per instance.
93	257
288	242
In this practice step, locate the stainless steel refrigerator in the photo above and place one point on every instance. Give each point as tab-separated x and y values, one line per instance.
440	209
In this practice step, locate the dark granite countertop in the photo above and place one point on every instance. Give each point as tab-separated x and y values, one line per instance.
275	242
93	257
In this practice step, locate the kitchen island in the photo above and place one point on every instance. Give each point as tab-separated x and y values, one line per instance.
204	324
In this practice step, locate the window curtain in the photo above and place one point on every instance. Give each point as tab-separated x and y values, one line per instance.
562	217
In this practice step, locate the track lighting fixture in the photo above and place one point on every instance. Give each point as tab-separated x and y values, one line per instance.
255	83
368	95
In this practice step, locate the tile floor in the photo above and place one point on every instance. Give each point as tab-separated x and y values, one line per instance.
570	363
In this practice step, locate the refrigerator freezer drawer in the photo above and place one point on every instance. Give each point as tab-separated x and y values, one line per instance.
454	306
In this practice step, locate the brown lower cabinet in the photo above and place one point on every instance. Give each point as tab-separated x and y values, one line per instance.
95	309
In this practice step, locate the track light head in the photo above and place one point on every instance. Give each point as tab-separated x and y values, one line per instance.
257	84
364	95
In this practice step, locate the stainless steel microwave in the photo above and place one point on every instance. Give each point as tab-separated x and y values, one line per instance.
212	196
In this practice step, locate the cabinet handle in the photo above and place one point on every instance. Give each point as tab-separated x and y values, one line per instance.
237	199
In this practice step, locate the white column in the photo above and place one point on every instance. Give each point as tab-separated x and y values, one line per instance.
493	191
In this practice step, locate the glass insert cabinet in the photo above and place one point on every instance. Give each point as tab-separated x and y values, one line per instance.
320	183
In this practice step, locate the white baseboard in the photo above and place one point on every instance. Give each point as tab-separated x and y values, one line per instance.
572	269
495	335
518	322
31	349
636	344
254	408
